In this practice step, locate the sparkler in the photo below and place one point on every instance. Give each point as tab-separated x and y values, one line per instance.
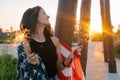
21	35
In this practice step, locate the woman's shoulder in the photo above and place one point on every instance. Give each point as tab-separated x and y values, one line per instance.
55	40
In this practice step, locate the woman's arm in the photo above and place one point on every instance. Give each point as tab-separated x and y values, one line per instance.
31	56
24	64
61	64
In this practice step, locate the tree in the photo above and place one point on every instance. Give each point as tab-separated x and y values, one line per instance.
84	29
1	30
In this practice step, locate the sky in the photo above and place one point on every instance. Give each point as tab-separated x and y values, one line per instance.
11	12
96	16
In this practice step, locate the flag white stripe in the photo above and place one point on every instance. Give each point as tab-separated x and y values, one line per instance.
64	51
67	72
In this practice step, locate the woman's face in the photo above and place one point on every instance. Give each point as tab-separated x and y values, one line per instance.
43	18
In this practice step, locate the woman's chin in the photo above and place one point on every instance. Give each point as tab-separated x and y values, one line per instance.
48	24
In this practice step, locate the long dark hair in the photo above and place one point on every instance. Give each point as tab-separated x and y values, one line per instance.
29	21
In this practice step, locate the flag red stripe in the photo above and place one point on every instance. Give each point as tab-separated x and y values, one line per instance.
62	77
77	73
66	46
77	67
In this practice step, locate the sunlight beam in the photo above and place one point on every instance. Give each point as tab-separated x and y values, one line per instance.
96	23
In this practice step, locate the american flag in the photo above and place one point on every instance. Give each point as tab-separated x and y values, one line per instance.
74	70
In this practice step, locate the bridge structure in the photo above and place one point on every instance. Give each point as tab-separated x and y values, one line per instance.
65	25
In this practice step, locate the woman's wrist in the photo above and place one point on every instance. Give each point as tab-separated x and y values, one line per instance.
63	63
67	61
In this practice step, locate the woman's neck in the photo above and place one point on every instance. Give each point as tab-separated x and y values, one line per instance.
38	35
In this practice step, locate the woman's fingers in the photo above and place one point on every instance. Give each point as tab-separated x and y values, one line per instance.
74	49
33	58
71	56
31	55
79	51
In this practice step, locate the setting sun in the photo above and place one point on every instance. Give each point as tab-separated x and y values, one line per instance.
95	23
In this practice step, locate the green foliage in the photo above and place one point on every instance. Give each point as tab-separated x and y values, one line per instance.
2	40
117	35
96	36
75	38
8	67
117	43
117	49
5	40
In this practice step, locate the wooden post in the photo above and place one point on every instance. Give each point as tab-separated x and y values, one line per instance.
111	60
104	28
65	21
84	26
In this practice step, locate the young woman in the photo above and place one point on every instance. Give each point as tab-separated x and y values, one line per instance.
39	53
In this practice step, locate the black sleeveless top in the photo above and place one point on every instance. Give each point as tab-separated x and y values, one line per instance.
47	51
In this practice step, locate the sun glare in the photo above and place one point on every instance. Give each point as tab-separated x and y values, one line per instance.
95	23
96	27
19	36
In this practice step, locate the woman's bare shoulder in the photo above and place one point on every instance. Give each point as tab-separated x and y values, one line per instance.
55	40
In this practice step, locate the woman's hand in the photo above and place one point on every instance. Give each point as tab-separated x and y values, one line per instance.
33	58
78	49
71	56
